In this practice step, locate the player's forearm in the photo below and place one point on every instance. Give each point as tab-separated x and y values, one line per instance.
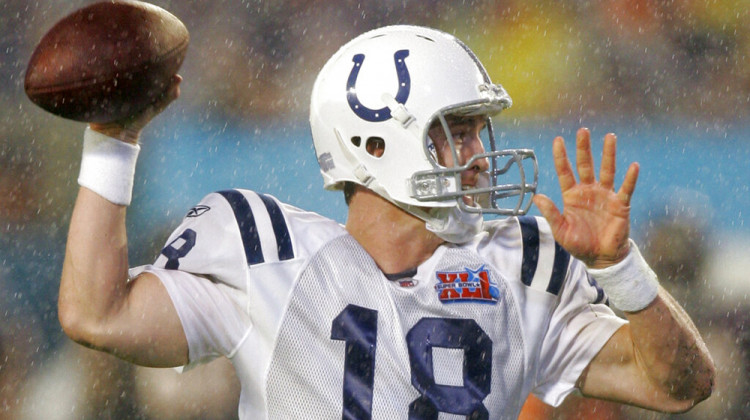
671	350
94	272
661	357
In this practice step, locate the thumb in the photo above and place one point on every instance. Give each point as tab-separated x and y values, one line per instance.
548	210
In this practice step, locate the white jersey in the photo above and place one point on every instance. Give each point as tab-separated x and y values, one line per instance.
316	331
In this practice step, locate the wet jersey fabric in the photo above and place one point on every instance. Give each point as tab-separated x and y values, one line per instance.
316	331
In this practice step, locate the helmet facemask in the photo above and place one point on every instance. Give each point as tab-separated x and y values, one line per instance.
504	188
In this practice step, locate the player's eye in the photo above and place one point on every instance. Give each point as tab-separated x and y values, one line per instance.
459	135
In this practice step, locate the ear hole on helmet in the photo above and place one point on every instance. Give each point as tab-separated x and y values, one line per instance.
356	140
375	146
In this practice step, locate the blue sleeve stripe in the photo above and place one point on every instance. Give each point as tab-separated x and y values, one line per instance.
530	238
246	222
283	239
559	269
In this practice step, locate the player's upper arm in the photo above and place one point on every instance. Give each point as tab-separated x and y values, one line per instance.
145	329
149	329
205	264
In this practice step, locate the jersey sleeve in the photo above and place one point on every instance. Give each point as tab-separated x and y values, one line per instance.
580	326
211	313
581	321
205	267
209	242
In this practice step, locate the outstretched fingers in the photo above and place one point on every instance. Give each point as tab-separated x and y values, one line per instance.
549	211
607	171
562	165
628	185
585	168
584	159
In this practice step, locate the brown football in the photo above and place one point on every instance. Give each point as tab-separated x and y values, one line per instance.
106	61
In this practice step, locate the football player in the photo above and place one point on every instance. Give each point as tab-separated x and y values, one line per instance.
417	306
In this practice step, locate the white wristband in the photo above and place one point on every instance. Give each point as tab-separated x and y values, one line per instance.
108	166
631	285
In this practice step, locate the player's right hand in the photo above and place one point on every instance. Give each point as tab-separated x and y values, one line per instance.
129	129
594	225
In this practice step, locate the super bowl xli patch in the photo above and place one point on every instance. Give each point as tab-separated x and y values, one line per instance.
466	286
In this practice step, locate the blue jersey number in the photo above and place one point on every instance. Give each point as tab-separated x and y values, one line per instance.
173	254
357	326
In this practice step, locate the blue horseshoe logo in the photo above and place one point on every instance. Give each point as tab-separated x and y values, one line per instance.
404	86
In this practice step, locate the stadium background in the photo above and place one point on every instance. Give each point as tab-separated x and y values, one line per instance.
671	78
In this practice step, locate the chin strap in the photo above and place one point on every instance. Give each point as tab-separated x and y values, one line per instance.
450	224
458	227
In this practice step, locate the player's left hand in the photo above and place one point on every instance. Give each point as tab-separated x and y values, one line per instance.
595	223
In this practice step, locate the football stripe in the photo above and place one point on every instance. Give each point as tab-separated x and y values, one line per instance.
246	222
546	258
265	227
545	263
559	269
283	239
530	238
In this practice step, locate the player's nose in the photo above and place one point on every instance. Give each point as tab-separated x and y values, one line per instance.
474	148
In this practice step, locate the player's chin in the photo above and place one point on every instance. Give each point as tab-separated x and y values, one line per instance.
470	201
477	201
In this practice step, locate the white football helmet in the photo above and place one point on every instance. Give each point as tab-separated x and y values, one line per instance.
389	85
